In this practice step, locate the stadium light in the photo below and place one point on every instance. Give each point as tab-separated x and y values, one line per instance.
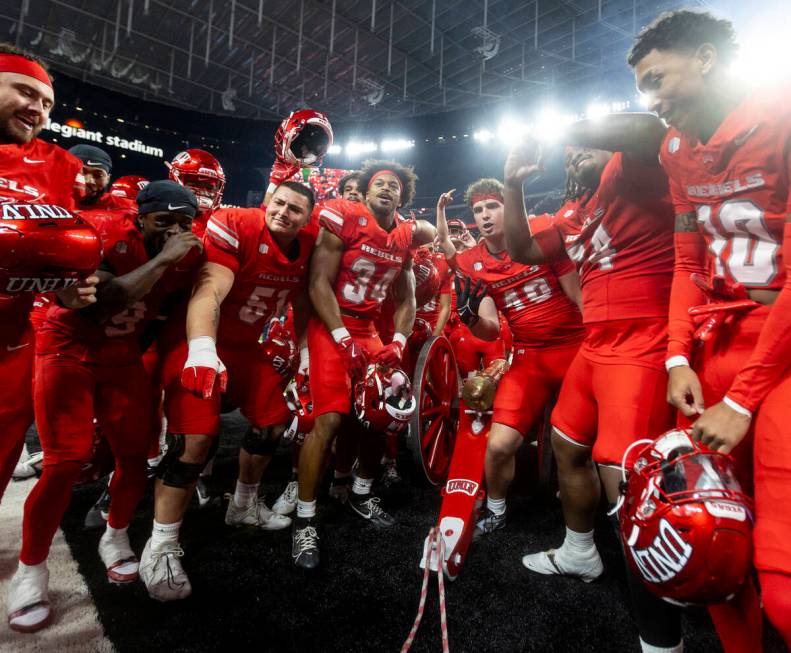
395	144
355	148
645	100
764	49
334	149
597	110
551	125
510	130
482	136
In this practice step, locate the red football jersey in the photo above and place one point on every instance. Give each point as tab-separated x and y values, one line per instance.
116	341
621	240
430	310
266	279
109	202
368	268
37	172
529	297
737	184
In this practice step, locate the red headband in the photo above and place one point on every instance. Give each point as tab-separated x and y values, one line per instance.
15	63
480	197
387	172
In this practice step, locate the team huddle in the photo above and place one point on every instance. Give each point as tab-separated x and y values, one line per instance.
653	305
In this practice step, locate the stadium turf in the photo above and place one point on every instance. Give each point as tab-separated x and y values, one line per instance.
248	595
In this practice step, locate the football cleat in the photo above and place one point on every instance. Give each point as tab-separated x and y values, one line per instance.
287	502
340	488
29	467
118	558
549	562
305	543
367	506
488	523
162	573
256	514
96	517
28	602
390	477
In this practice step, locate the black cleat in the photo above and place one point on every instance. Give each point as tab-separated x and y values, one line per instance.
390	476
367	506
305	543
488	523
96	517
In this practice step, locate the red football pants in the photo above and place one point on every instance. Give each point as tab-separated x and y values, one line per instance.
68	394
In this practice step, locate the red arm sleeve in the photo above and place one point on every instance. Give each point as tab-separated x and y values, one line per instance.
221	243
771	357
690	259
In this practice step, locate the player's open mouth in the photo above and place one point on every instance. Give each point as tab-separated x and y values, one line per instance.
26	123
384	198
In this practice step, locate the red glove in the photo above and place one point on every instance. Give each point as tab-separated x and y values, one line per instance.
356	361
391	355
401	236
281	171
203	370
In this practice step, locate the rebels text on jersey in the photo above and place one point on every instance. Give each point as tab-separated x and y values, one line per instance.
621	239
266	280
737	185
529	296
115	342
368	267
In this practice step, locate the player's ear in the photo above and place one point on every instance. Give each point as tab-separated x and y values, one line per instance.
707	57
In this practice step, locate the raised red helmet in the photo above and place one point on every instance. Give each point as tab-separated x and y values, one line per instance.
279	347
686	524
44	248
300	404
383	399
303	138
128	186
202	174
421	331
427	277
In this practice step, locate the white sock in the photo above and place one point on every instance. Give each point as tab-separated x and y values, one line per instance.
111	533
306	509
32	569
162	534
497	506
650	648
362	485
245	494
578	544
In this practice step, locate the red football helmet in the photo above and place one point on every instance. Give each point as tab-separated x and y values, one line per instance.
686	525
383	399
128	186
279	347
421	331
303	138
427	277
202	174
44	248
300	404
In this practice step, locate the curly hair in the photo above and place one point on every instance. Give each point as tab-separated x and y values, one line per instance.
684	30
487	186
8	48
351	176
405	174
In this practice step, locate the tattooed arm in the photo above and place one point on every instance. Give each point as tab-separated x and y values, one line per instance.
212	287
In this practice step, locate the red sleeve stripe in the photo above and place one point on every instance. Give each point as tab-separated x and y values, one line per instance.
221	232
330	215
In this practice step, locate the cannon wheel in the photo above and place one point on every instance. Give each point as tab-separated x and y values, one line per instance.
432	431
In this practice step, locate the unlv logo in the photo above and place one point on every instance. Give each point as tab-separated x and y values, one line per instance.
36	284
665	557
462	485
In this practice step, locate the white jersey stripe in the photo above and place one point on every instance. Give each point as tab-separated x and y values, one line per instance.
334	217
219	231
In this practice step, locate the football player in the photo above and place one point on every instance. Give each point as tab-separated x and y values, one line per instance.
255	266
88	363
361	253
348	187
540	305
128	186
31	170
728	155
203	175
619	235
96	168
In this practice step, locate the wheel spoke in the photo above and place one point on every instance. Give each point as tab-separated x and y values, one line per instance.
434	410
430	433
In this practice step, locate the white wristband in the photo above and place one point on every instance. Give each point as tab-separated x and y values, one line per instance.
340	333
304	358
676	361
730	403
271	188
400	338
202	353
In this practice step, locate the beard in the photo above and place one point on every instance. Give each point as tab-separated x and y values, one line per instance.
16	135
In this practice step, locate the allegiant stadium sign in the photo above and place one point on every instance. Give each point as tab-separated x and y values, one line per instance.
113	140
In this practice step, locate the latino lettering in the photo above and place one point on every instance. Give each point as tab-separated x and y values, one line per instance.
665	557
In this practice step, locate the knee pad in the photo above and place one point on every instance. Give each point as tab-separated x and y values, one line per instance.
260	442
171	470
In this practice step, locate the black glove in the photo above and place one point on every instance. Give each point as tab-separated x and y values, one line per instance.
468	299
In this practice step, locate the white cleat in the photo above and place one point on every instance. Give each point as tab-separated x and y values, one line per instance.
287	502
587	568
29	467
256	514
162	573
118	558
28	603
